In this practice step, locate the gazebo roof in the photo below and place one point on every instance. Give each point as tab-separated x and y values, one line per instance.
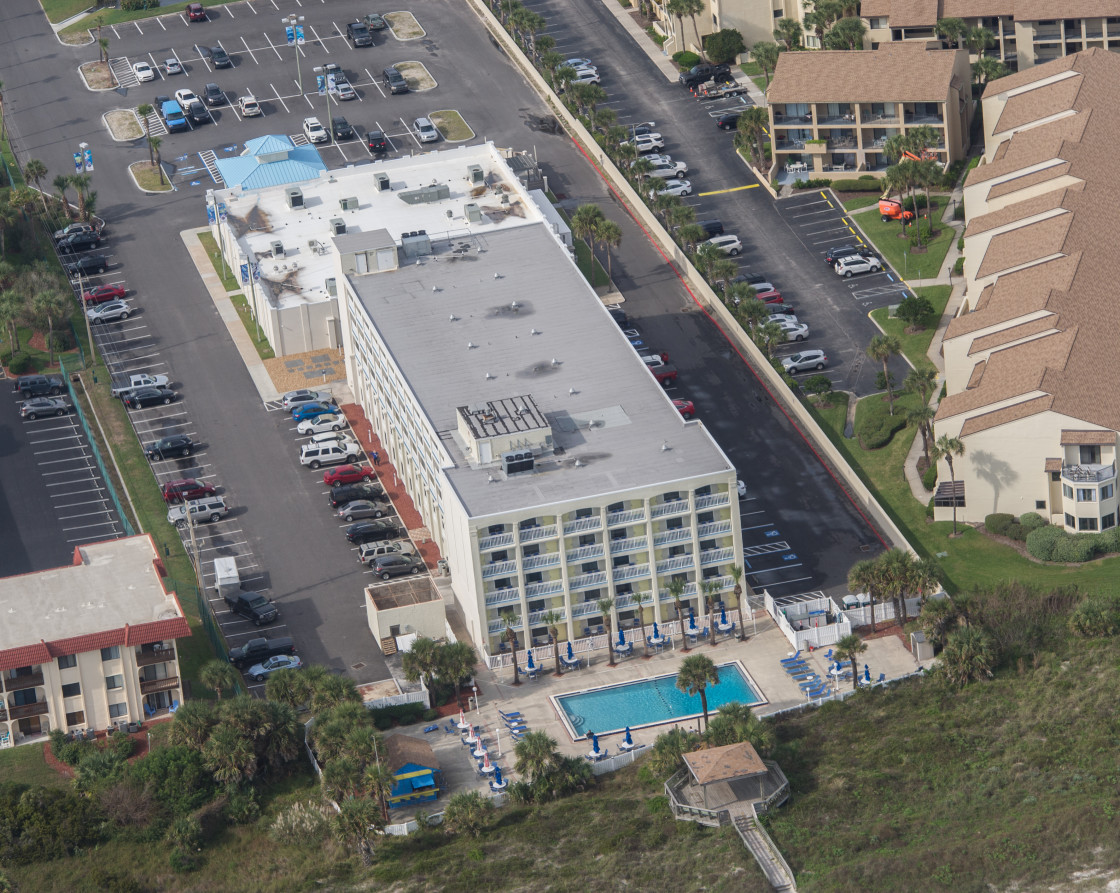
725	763
401	750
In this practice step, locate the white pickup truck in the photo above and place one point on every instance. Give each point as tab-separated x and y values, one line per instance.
124	385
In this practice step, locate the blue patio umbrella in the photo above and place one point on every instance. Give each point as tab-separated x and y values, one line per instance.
691	613
498	775
594	743
691	620
723	616
866	673
531	665
627	740
570	654
621	637
656	634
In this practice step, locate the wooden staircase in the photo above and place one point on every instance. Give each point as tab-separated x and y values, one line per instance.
777	872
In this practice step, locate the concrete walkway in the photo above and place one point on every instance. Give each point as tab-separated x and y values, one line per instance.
646	43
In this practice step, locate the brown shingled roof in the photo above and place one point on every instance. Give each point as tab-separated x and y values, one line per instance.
1005	336
1018	294
896	72
1032	74
1034	105
970	9
1087	438
1028	180
1030	148
1025	244
725	763
1024	210
1040	10
1009	414
400	750
977	375
913	13
873	9
1053	465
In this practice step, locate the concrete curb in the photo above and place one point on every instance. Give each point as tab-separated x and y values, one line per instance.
151	191
82	75
645	43
119	139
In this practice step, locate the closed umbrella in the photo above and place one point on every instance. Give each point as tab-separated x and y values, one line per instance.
479	748
656	634
723	616
627	740
571	656
594	743
691	619
498	783
866	673
462	718
621	638
531	665
485	762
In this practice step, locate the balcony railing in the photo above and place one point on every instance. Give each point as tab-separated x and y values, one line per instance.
715	528
715	556
503	597
912	118
584	609
630	572
627	516
585	553
712	500
498	569
878	119
24	680
1050	33
529	534
536	562
587	581
676	507
678	563
630	544
495	627
159	656
497	541
1089	474
542	590
672	536
152	686
583	525
629	600
24	711
537	617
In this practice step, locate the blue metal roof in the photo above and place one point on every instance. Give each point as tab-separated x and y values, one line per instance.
249	172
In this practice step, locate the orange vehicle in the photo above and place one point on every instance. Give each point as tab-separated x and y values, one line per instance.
889	209
927	155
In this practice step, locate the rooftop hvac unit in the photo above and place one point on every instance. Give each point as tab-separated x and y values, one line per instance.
277	249
472	212
416	244
331	286
338	226
349	204
426	194
295	197
517	461
475	175
382	182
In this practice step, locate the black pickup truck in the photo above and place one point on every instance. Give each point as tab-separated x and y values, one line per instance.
256	650
252	606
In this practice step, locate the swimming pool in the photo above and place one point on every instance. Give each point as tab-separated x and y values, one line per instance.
650	702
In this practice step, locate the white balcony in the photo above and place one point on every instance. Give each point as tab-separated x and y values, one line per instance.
502	597
713	500
627	601
583	525
497	541
672	536
678	563
630	572
585	553
629	516
496	627
630	544
715	528
587	581
537	617
716	556
537	562
498	569
676	507
585	609
530	534
545	589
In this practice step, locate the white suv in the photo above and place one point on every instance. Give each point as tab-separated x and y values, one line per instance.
669	170
728	244
314	131
846	266
209	509
332	453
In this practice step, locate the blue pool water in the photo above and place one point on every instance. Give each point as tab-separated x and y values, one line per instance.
648	702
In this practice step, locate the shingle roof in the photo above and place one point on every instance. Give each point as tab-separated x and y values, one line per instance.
725	763
977	374
971	9
1005	416
875	8
1040	10
1013	333
1012	213
1027	243
1087	438
1032	74
1028	180
913	13
1017	294
1034	105
1053	465
400	750
896	72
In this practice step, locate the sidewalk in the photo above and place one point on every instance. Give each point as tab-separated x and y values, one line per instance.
644	41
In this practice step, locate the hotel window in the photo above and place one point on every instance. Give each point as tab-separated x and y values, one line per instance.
500	555
76	718
1086	523
1107	491
1040	505
1086	494
1108	521
589	567
116	711
534	577
114	682
111	653
71	689
67	661
588	539
495	529
1090	455
1070	520
530	551
614	507
1067	491
503	583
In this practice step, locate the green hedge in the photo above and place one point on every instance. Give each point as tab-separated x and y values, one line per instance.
818	183
686	59
929	479
998	522
857	186
876	427
19	364
402	714
1050	543
1097	616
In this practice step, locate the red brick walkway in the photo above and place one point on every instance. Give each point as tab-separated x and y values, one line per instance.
394	487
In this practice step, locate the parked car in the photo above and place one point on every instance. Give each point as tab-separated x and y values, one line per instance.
585	76
28	386
314	131
394	80
781	318
849	250
143	71
364	508
619	316
82	241
372	531
642	129
368	553
782	310
109	312
686	408
312	410
376	142
742	488
171	445
195	12
316	455
425	130
185	488
197	112
703	72
712	227
348	474
88	265
388	566
173	117
262	671
249	106
804	361
769	297
219	58
358	34
375	21
172	66
728	244
794	330
72	228
578	62
292	399
185	97
209	508
214	95
668	170
260	649
345	91
847	266
319	424
651	142
370	490
343	129
43	406
672	186
103	293
252	606
729	121
142	397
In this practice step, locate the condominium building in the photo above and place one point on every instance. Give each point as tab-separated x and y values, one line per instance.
833	111
89	645
1025	32
1032	393
754	19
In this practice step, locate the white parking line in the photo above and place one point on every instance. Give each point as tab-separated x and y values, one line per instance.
317	37
163	26
250	5
229	11
115	31
280	98
88	526
249	50
346	43
201	56
180	61
373	81
408	130
137	24
271	44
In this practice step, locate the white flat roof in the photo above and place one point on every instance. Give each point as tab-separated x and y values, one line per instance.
115	585
451	326
263	216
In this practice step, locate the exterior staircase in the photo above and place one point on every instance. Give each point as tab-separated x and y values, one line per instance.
777	872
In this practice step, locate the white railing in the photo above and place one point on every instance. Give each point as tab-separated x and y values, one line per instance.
583	609
714	556
503	597
712	500
529	534
546	559
583	525
584	552
536	617
630	544
672	536
612	764
496	541
496	626
628	516
680	562
545	588
676	507
587	581
713	528
408	697
800	628
630	572
498	568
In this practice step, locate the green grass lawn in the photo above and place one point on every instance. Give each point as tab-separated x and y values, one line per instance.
857	201
916	345
26	765
590	266
220	266
61	10
751	70
260	342
913	267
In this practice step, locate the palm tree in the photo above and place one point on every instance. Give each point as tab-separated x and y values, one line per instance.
865	576
551	620
723	271
52	305
609	234
690	8
286	736
23	199
968	656
751	130
850	648
978	39
420	661
946	447
331	690
921	381
640	169
357	823
536	755
13	309
584	221
468	812
679	214
882	348
735	722
789	31
34	170
765	54
676	589
640	598
606	605
81	182
144	110
154	142
511	636
103	50
218	676
456	660
896	180
921	417
377	782
986	69
61	183
711	590
938	619
692	234
696	673
736	572
768	337
952	29
192	724
229	756
706	257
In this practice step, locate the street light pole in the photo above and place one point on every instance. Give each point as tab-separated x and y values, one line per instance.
327	96
291	21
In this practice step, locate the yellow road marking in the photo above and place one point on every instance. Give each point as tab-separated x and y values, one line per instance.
732	189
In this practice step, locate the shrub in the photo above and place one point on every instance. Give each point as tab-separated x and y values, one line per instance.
1032	521
139	4
876	430
818	183
950	177
913	310
1040	542
19	364
929	478
919	199
431	715
175	777
923	230
998	522
181	861
302	823
929	510
5	358
1073	548
685	59
383	723
958	267
860	185
958	212
960	244
123	745
242	808
1097	616
63	341
1017	532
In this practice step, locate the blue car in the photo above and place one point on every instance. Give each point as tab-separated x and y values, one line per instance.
311	410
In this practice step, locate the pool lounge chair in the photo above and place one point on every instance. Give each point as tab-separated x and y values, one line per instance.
431	728
517	734
451	729
512	714
823	691
791	660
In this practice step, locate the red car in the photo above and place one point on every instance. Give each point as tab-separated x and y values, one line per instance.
103	293
195	12
185	488
770	297
348	474
685	408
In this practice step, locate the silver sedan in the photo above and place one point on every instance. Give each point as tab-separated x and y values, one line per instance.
361	508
